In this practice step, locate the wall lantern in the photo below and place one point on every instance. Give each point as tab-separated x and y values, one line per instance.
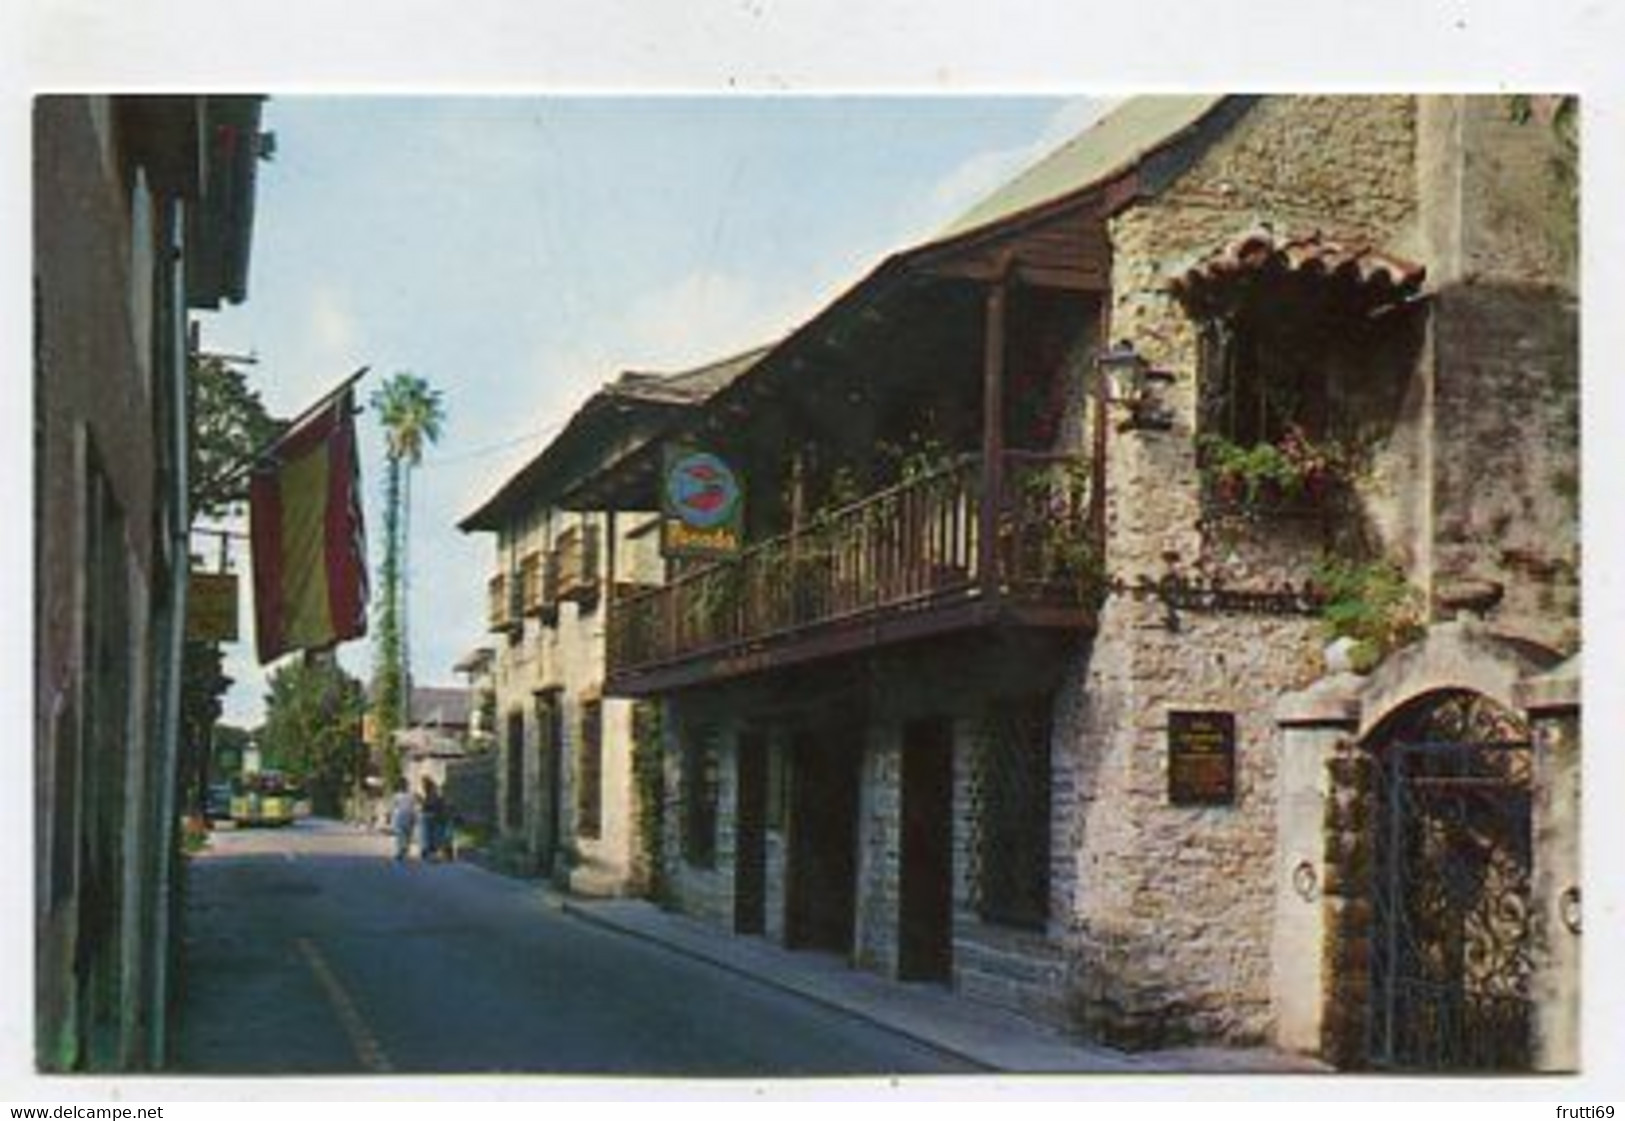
1134	384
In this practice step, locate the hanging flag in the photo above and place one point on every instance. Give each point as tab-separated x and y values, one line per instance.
307	538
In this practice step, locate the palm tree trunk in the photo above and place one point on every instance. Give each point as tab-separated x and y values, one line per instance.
406	593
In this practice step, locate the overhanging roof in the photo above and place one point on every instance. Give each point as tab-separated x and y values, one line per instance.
1134	149
623	415
1116	142
1144	142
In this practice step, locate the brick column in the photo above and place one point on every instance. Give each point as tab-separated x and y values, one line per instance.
1316	727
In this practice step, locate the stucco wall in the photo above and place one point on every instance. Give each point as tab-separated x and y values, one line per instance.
1505	506
567	653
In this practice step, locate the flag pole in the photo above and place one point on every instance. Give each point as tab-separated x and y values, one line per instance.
246	464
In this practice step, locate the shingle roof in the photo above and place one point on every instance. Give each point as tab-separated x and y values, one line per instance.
659	392
687	386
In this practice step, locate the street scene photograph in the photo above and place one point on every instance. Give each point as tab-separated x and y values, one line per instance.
923	588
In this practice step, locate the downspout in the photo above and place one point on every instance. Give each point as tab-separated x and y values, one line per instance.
175	355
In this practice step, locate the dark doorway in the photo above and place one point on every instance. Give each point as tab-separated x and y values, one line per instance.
822	877
550	736
513	786
925	904
750	836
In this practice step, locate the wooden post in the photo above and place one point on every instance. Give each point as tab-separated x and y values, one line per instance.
1097	481
993	356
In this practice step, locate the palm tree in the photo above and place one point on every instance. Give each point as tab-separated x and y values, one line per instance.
411	413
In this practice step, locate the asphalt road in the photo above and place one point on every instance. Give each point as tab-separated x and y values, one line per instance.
308	950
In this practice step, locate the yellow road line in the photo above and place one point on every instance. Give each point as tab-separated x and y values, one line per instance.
367	1049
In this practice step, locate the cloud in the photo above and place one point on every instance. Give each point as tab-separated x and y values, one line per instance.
983	173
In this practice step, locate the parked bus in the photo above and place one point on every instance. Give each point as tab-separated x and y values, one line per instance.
265	798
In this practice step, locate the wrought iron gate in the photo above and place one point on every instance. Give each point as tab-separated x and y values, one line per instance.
1451	945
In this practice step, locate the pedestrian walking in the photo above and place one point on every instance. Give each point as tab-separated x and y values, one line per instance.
403	814
434	820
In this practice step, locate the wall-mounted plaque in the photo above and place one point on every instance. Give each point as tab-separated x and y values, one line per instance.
1202	758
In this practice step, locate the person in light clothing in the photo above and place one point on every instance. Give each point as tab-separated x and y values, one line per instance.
403	813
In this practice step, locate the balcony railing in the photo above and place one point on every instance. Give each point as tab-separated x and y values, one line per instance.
911	552
501	605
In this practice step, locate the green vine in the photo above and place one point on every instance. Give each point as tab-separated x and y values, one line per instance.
649	782
1370	603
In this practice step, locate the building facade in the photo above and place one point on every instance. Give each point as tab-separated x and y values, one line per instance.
564	767
1159	611
142	212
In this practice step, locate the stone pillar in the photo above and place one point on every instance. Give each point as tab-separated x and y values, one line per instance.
880	826
1552	703
1314	725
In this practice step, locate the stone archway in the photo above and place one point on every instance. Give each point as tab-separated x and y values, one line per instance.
1428	760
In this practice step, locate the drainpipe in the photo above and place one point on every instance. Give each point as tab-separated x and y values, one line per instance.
174	359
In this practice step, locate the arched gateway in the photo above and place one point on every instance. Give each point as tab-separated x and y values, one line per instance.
1449	885
1427	874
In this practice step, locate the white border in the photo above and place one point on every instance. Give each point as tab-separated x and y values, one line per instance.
774	47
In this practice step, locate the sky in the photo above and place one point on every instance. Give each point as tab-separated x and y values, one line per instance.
519	252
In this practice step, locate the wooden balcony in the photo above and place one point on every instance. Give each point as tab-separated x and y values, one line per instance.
501	604
906	563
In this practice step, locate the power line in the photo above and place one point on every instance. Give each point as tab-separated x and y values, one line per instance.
492	449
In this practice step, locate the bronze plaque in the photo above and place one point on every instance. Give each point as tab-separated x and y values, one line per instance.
1202	758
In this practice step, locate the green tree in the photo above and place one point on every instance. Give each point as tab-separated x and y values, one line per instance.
228	424
313	728
411	414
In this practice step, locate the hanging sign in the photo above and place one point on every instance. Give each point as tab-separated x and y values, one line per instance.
702	505
1202	758
211	607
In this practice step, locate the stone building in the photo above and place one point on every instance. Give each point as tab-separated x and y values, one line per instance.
143	211
564	780
1159	605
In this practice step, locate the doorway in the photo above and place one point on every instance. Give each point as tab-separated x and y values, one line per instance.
821	892
550	750
1452	930
925	890
750	835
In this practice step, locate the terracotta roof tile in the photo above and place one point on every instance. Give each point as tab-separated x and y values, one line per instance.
1373	278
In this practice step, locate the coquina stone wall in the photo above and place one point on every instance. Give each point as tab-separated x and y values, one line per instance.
1173	906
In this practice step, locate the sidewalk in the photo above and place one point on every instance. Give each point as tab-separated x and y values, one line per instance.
988	1037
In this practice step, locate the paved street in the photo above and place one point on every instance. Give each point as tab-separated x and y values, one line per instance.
308	950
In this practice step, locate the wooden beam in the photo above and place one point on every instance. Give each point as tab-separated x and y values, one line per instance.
993	359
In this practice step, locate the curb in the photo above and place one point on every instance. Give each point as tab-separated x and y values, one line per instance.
585	914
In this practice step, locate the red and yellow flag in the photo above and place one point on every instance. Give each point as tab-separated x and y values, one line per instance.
309	548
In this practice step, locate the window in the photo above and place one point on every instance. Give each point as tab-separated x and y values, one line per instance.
1010	801
590	771
1263	372
701	770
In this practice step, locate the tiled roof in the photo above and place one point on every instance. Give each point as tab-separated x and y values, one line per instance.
1371	277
